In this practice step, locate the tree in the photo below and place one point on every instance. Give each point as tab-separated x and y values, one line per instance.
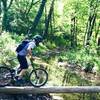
47	21
91	21
0	8
37	18
98	46
73	31
6	5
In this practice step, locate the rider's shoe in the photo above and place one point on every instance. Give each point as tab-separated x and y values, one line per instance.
19	70
18	79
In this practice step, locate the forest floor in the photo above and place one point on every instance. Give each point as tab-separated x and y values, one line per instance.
74	68
71	69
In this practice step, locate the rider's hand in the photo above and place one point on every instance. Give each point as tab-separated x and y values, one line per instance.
35	58
32	58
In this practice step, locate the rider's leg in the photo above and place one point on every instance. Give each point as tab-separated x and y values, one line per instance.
23	65
22	73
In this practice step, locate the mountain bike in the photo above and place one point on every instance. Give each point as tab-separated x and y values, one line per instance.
37	77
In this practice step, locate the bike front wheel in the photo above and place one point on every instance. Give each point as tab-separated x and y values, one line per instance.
38	77
5	76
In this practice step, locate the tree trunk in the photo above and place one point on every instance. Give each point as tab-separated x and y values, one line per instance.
48	19
91	21
5	11
0	18
73	32
37	18
4	20
97	30
31	5
98	46
0	8
90	27
47	89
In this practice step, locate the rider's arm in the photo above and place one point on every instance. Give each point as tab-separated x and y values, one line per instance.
30	52
29	49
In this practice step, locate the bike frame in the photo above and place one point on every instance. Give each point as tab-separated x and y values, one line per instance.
32	63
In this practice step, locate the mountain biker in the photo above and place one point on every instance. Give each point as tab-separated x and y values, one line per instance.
27	51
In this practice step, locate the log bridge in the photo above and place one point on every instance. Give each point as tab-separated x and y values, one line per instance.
49	89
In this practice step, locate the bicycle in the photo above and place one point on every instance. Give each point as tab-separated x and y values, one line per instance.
37	77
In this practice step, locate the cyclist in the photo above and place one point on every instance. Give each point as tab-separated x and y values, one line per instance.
27	51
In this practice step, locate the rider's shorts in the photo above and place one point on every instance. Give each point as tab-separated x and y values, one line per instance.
23	62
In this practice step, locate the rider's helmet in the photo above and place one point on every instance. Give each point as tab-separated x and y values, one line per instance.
38	39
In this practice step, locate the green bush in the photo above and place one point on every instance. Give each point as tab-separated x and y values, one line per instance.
7	49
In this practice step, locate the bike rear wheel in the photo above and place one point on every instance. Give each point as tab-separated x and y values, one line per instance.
5	76
38	77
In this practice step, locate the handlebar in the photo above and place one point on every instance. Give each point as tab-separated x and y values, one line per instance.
35	58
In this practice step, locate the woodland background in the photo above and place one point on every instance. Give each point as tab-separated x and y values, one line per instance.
71	31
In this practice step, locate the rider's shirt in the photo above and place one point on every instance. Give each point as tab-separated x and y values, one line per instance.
30	45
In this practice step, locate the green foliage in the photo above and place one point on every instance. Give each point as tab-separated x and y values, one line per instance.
59	36
38	51
19	20
81	57
17	38
7	49
58	40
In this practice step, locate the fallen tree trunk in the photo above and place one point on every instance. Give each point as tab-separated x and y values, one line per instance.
53	89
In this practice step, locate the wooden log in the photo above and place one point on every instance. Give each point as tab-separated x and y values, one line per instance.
53	89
